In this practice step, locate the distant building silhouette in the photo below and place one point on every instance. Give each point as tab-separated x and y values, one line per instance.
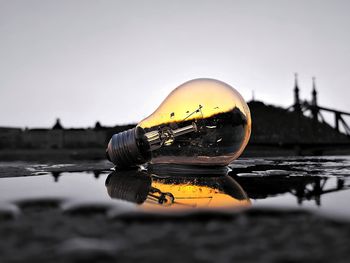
297	107
10	137
98	126
57	125
314	109
57	137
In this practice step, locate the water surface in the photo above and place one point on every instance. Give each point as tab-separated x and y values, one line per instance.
318	184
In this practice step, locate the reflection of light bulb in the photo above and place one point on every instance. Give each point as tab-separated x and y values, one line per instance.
201	122
153	192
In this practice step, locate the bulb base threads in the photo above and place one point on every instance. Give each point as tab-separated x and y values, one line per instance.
128	148
129	185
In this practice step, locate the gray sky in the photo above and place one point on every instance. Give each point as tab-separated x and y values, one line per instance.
115	61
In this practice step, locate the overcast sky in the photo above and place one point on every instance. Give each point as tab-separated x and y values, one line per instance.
115	61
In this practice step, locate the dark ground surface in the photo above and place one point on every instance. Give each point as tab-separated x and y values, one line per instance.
43	233
43	230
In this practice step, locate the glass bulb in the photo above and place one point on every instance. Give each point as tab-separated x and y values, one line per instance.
202	122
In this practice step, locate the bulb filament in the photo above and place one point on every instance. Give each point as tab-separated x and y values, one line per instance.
155	195
166	136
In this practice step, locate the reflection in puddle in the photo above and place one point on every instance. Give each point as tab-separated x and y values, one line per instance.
152	192
315	184
307	188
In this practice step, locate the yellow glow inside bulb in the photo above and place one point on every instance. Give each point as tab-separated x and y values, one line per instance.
213	95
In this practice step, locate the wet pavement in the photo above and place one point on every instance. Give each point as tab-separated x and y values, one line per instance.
266	210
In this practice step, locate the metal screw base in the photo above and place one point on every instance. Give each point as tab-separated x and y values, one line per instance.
128	148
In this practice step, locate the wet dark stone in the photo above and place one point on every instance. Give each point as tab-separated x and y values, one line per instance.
38	205
86	210
178	217
6	215
259	236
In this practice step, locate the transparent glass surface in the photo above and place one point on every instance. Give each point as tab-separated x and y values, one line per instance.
201	122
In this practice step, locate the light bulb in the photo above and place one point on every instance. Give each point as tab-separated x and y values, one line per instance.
202	122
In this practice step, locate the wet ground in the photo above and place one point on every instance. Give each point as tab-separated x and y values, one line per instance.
264	210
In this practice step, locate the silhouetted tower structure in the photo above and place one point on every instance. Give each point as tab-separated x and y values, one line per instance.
316	110
58	125
297	107
314	106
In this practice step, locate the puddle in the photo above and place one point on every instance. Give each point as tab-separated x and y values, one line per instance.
320	185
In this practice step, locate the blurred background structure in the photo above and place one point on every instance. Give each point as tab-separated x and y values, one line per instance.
115	62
